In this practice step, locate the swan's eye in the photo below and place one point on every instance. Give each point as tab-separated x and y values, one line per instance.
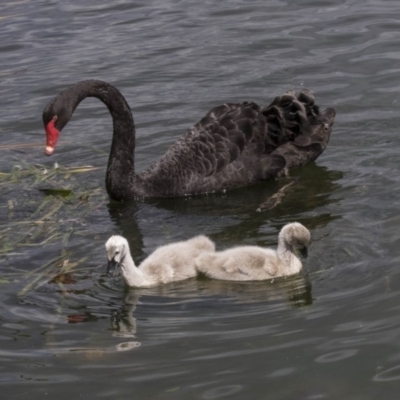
326	127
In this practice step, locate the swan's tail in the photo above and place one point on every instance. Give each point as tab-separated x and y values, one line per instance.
296	118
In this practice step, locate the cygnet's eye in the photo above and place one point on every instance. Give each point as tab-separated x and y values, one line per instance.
326	127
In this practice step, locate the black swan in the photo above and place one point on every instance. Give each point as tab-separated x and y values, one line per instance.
232	146
255	263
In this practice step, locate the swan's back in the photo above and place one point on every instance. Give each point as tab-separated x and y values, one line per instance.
238	144
176	261
243	263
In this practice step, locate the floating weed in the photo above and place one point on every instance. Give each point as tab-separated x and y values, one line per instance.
33	216
28	174
58	270
35	277
57	192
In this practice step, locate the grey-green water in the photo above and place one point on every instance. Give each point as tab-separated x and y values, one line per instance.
67	330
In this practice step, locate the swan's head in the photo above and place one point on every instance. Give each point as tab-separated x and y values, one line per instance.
296	236
55	116
117	248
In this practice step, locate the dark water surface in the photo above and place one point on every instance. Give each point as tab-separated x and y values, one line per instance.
68	331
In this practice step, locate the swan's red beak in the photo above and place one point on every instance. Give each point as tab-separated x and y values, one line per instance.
52	134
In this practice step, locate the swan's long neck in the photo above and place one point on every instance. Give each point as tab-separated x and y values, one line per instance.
133	275
120	177
288	256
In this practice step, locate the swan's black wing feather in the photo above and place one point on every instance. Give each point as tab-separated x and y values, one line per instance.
236	144
218	140
220	137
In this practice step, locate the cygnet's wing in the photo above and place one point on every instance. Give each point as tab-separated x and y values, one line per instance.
250	263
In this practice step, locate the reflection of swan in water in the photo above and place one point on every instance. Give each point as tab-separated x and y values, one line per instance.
293	291
255	263
313	187
169	263
123	321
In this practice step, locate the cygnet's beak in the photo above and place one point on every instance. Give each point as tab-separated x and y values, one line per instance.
111	267
303	251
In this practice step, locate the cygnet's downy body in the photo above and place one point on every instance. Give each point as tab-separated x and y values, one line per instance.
173	262
248	263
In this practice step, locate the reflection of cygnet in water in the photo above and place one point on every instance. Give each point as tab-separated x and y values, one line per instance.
124	324
246	263
173	262
123	321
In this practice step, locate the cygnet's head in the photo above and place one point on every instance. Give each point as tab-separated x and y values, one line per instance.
296	236
116	248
